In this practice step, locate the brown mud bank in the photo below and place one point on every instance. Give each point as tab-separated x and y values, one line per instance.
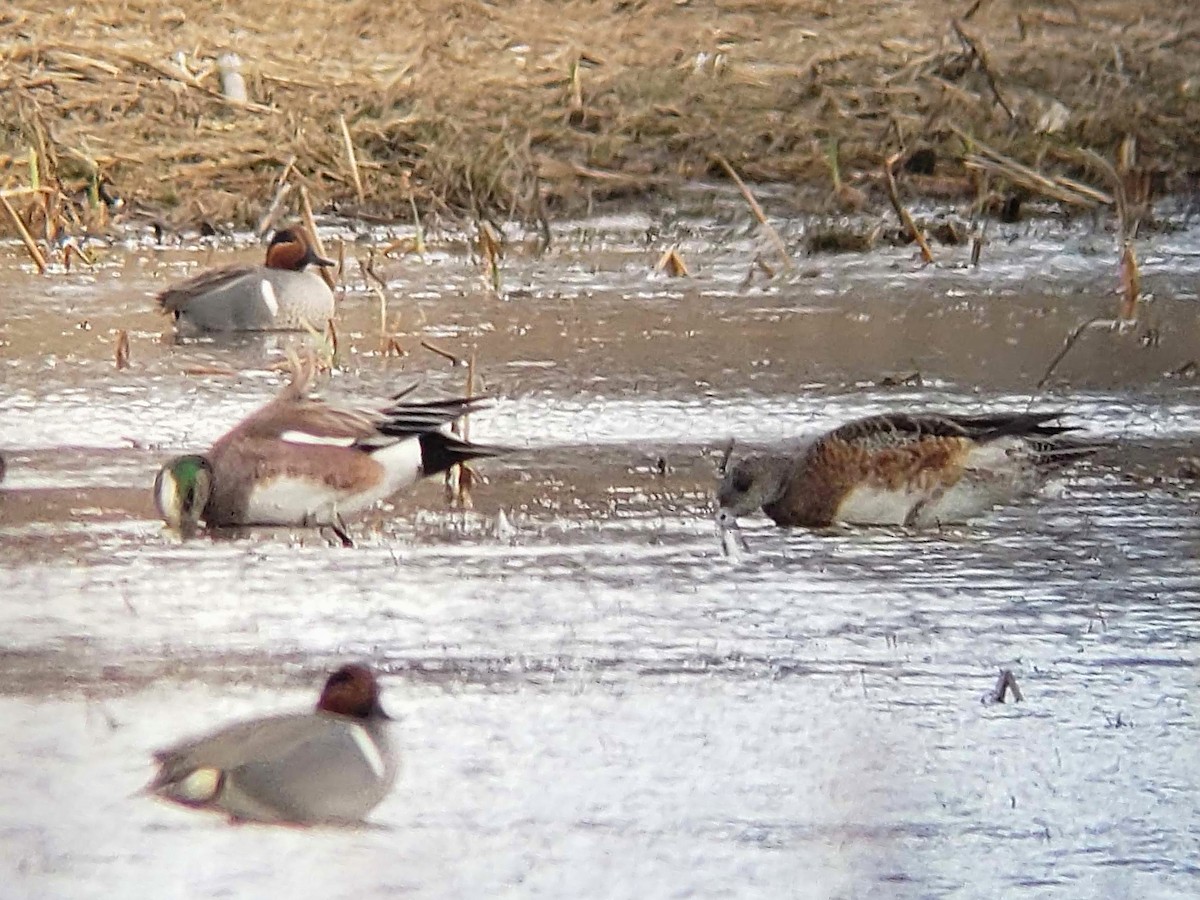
535	108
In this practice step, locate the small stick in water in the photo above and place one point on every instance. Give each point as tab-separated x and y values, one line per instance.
122	349
1005	683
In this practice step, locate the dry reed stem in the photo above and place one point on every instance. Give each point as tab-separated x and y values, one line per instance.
221	371
981	57
31	246
352	159
489	252
267	222
1129	275
757	210
1060	188
905	219
311	224
431	100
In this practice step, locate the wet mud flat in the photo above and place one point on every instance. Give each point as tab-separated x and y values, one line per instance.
592	699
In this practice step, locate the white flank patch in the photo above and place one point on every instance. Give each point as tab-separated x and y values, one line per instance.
369	750
877	506
292	501
200	785
304	437
268	295
402	463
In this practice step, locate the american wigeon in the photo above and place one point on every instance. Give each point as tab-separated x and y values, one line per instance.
901	469
331	765
281	295
301	461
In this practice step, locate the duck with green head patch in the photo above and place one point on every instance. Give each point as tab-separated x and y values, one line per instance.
300	461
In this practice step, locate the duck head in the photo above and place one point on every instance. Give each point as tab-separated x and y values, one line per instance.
181	492
752	483
292	248
352	691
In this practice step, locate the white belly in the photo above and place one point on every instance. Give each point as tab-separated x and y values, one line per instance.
292	501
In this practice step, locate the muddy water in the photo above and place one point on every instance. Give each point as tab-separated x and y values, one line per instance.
592	699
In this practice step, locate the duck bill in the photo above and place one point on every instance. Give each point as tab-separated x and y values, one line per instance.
314	259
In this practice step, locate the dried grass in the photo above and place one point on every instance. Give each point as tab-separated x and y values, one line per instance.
464	106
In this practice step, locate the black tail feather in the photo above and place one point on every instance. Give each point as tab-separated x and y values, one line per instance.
440	451
417	418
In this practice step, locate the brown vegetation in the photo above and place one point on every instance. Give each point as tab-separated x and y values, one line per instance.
529	106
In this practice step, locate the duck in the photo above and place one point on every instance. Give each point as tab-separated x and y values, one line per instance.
300	461
916	470
332	765
283	294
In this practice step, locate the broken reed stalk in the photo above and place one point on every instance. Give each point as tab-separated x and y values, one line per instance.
31	246
905	219
756	209
418	231
353	160
383	331
1060	188
672	263
460	477
489	250
121	350
1127	226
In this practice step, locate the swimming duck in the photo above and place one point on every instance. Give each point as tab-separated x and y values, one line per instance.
300	461
281	295
900	469
332	765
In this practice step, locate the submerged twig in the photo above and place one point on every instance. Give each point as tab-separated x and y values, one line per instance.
1071	339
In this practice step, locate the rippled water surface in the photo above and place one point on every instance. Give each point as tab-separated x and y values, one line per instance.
593	700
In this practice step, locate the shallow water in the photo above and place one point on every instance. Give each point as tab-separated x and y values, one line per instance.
593	700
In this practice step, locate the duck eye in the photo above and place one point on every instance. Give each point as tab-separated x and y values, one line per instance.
742	481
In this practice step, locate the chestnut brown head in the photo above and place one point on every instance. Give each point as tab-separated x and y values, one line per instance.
292	248
352	691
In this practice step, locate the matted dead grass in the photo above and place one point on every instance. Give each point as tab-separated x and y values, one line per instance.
530	106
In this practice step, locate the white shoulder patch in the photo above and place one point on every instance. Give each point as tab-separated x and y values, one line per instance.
268	295
325	440
369	750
